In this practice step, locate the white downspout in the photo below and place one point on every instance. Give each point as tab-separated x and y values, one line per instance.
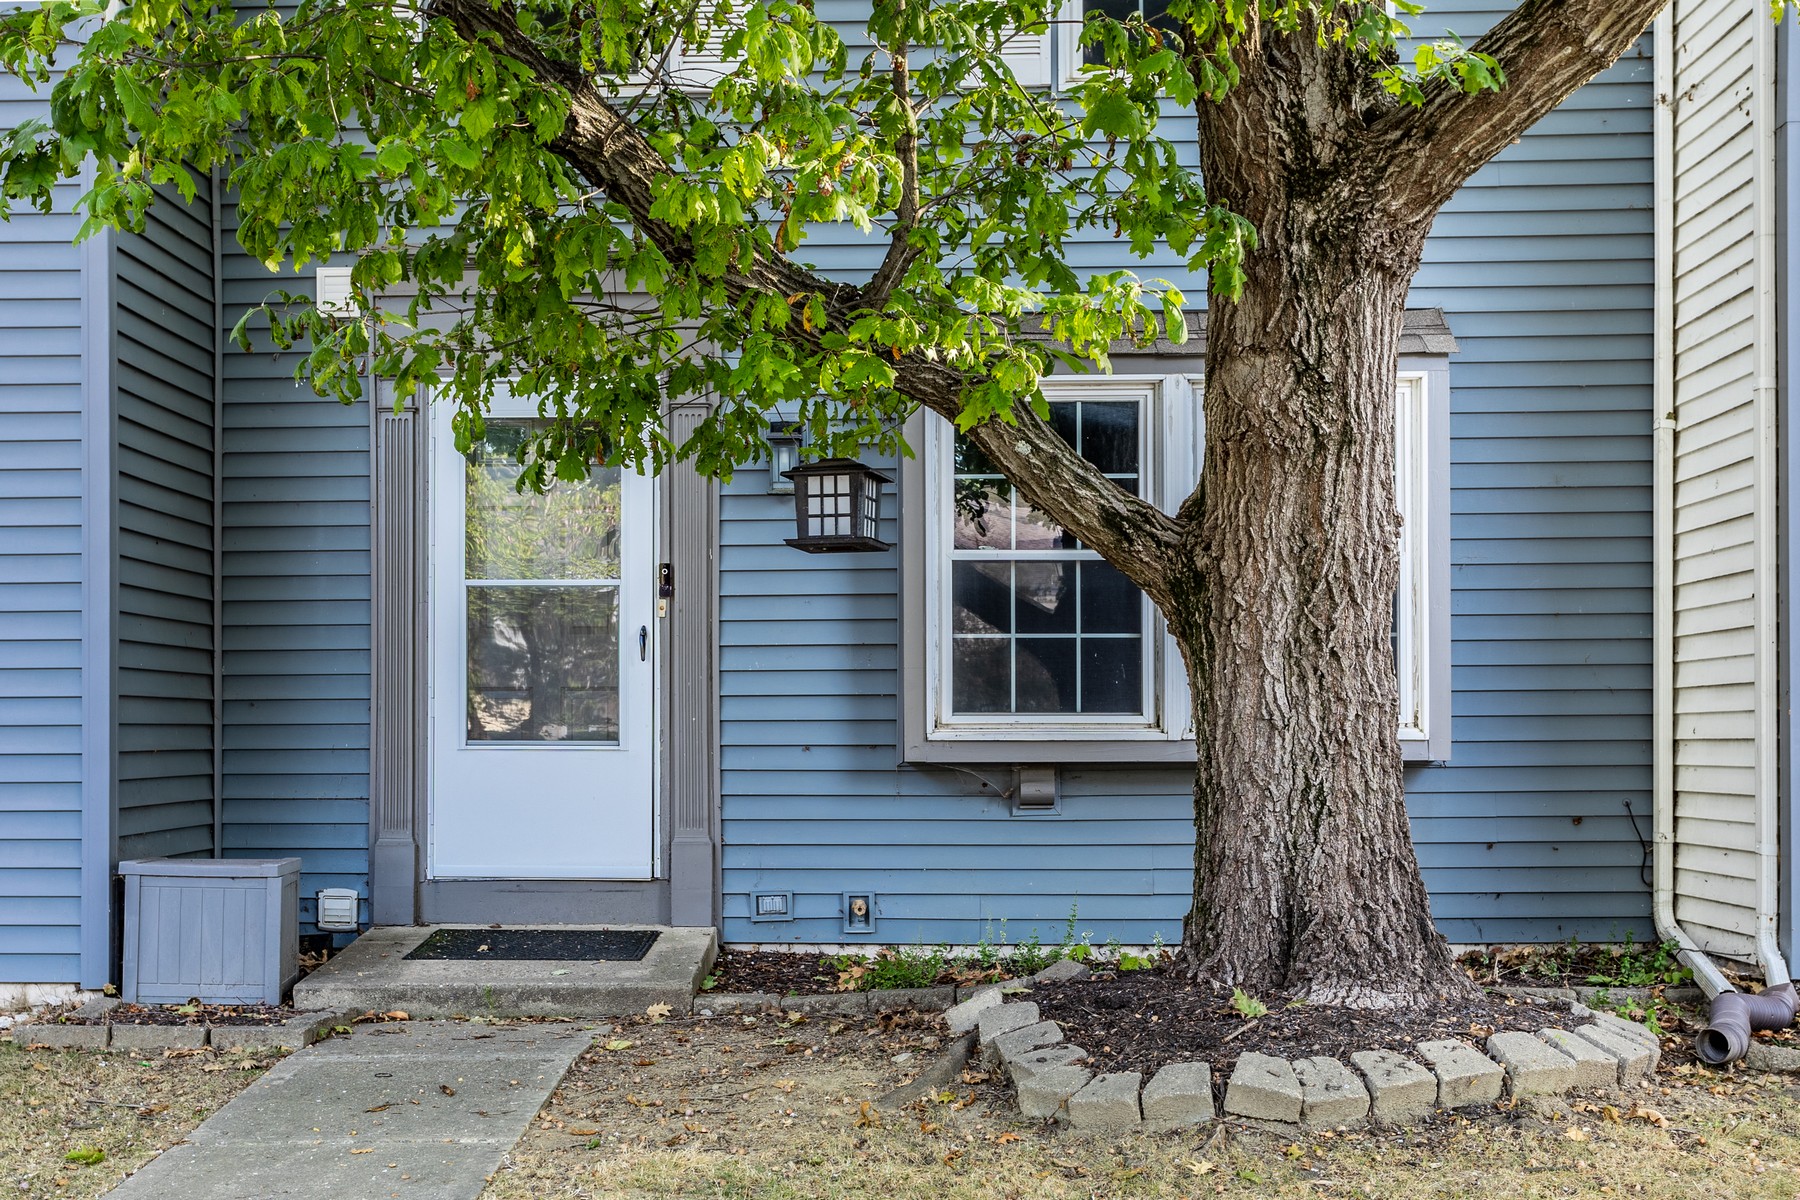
1663	649
1768	786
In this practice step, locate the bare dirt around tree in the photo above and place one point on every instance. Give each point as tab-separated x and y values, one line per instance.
774	1108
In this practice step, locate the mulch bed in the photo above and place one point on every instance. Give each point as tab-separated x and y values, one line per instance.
1144	1020
786	973
774	971
191	1014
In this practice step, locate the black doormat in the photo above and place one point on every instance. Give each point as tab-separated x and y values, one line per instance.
563	945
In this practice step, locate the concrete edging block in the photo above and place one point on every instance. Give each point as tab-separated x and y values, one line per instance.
1045	1094
1004	1018
63	1037
158	1037
1465	1075
1177	1096
1399	1089
1107	1104
1264	1088
1330	1093
1594	1067
1533	1066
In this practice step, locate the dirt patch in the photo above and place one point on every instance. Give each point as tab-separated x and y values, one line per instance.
188	1014
1574	964
126	1107
777	972
725	1109
1144	1020
784	973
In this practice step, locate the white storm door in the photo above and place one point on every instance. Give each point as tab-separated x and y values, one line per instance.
542	662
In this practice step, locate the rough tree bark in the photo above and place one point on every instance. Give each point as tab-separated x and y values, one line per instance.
1305	877
1276	575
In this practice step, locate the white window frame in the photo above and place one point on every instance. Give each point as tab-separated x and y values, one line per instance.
1070	20
1414	613
1174	440
1168	405
690	70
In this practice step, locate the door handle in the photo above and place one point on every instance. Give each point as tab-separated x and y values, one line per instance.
643	643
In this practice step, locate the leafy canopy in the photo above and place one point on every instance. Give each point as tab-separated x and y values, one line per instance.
372	129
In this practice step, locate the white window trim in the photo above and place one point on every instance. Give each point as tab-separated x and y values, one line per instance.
690	70
1168	453
1176	439
1070	20
1412	494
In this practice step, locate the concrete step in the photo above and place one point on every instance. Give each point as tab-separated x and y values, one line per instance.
373	973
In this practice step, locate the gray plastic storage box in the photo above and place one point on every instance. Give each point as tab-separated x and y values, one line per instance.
225	930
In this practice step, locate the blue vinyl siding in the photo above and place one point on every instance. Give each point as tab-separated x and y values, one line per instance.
1543	265
296	608
42	574
163	338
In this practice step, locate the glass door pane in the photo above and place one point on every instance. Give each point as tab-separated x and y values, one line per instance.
541	585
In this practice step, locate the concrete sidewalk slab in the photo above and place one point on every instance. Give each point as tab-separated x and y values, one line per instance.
419	1110
374	974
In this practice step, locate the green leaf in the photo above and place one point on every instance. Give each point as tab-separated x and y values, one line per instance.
1114	115
134	99
86	1156
459	152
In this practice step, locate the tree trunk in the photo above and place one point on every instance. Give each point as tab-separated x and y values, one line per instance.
1305	877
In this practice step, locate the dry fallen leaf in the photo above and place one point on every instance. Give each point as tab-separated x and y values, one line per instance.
867	1117
1008	1138
446	1089
619	1044
380	1107
786	1085
1200	1168
398	1014
1576	1134
658	1012
364	1150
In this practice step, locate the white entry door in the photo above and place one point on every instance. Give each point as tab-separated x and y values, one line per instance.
542	662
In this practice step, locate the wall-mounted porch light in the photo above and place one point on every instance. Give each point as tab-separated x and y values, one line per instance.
837	506
784	456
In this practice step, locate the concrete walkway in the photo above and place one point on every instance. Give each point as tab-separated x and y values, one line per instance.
421	1110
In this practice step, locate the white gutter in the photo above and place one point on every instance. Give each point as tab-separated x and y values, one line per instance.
1663	648
1768	779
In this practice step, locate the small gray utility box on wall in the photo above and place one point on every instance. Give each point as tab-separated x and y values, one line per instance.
225	930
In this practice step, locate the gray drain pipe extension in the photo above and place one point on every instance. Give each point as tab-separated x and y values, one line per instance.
1735	1014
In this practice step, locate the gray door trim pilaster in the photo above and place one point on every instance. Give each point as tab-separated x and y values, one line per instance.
397	683
691	737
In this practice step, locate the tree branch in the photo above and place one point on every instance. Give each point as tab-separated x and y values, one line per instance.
1131	533
1547	48
900	252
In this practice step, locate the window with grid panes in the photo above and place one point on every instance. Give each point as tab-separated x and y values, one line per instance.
1039	625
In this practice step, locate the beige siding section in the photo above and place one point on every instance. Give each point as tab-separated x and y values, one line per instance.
1717	501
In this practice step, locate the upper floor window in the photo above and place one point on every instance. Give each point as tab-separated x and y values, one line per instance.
1057	55
1154	12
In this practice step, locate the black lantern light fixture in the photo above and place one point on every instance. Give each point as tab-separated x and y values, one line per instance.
837	506
784	456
